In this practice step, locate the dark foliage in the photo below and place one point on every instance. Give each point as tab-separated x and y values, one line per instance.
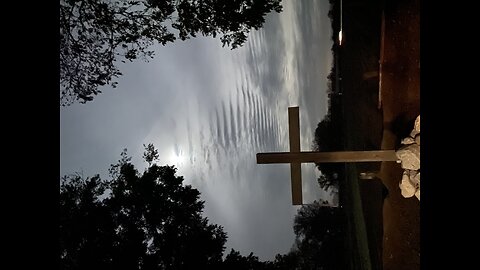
136	221
319	234
319	228
94	34
328	137
141	221
329	132
235	261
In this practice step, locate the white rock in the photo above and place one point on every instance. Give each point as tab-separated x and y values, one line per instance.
414	177
416	127
406	187
409	157
408	140
417	194
417	139
417	124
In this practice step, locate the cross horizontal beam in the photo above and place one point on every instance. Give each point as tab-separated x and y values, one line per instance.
311	156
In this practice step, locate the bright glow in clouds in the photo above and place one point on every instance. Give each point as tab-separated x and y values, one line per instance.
208	110
176	159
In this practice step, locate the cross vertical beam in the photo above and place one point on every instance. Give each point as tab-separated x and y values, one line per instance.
295	167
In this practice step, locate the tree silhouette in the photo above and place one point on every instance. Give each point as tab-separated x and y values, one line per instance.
151	220
136	221
94	34
235	261
319	232
319	242
328	138
86	226
287	261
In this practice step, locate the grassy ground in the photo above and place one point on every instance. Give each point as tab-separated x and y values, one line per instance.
382	227
384	231
356	236
363	125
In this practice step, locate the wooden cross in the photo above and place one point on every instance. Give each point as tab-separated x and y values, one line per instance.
296	157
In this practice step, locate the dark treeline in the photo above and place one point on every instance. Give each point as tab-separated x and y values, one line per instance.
96	35
354	121
151	220
320	237
353	84
329	131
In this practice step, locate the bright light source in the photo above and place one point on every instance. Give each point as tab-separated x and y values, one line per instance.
176	159
340	37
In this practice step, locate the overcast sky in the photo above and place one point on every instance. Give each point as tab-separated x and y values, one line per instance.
209	110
